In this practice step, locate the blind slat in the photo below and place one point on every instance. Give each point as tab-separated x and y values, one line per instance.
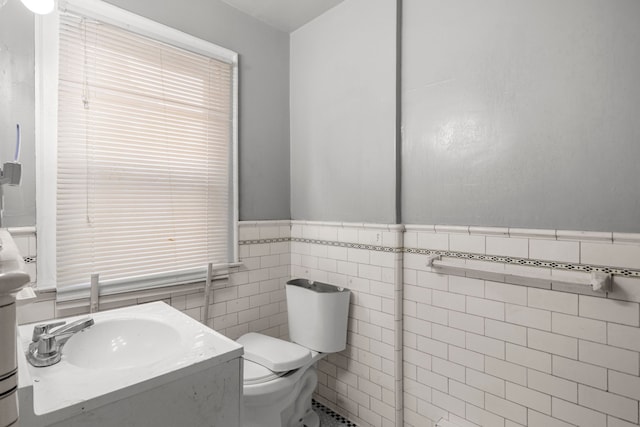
144	158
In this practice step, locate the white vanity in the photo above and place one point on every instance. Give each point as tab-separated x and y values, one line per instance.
146	365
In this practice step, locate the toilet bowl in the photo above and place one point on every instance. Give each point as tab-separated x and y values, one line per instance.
277	398
280	376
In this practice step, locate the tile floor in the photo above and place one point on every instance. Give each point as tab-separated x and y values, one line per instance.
328	418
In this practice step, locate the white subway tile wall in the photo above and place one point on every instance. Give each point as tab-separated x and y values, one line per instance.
361	381
474	350
506	354
252	299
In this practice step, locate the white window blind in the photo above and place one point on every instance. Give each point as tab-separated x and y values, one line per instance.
144	159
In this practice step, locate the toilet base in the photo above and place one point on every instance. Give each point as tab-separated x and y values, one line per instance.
311	419
292	409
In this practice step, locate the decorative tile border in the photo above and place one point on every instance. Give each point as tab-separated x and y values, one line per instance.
627	272
262	241
347	245
324	243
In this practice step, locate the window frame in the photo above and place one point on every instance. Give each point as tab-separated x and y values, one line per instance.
46	109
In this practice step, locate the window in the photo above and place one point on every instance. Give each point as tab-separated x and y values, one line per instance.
142	158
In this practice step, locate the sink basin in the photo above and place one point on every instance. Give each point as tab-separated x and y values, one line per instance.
122	343
132	366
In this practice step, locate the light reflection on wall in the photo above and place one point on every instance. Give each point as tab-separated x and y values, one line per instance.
460	136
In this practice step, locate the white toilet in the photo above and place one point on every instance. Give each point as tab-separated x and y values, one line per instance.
279	376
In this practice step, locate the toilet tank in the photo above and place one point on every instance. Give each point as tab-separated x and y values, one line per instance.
318	315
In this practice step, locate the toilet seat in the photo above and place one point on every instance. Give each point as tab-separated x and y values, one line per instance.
255	373
274	354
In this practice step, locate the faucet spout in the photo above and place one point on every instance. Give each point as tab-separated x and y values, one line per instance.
46	347
73	327
63	333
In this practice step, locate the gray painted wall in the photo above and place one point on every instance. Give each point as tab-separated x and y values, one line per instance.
343	114
17	106
264	97
264	93
516	113
522	113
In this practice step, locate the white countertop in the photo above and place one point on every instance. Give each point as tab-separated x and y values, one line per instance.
65	389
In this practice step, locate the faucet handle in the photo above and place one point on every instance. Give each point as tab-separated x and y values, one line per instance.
47	344
44	328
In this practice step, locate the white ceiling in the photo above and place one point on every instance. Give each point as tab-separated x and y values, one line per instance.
286	15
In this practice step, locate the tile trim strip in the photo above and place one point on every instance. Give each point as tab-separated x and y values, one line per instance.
507	260
263	241
532	233
529	262
324	243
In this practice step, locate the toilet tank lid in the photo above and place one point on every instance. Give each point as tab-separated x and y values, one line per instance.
274	354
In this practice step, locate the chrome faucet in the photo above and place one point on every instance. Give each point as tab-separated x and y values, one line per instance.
45	348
